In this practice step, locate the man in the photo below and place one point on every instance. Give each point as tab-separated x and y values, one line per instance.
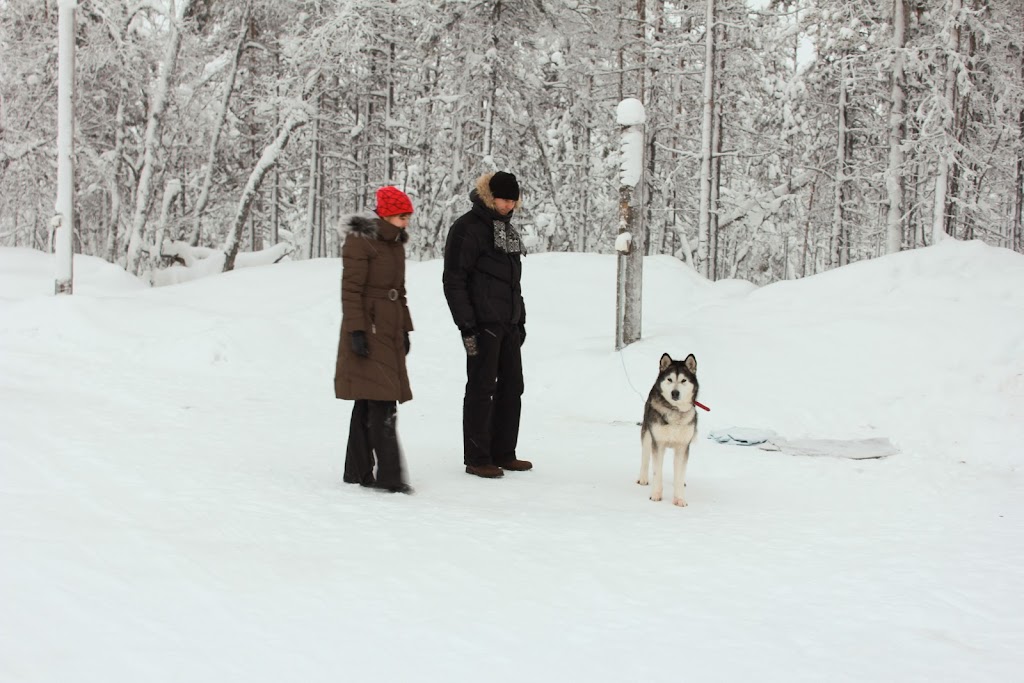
482	273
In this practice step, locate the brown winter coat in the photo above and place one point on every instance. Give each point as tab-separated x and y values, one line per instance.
373	300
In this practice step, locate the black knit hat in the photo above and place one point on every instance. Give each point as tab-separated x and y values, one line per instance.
504	186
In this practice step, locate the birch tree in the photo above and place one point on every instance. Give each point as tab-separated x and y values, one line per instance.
171	191
840	253
706	145
1017	232
947	110
1017	241
897	98
220	115
314	185
267	160
157	108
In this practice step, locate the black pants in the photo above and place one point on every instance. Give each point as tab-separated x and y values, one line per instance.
493	402
373	430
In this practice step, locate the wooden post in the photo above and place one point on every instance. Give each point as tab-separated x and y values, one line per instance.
630	243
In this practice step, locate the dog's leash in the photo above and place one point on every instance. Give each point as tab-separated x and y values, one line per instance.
626	373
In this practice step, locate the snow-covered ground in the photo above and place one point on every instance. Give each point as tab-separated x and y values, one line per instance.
171	505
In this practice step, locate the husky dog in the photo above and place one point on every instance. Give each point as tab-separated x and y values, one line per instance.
670	421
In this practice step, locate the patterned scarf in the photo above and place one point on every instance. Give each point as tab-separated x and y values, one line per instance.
506	238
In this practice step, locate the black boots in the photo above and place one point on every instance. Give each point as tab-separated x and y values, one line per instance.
372	432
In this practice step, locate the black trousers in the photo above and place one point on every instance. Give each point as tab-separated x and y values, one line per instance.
493	402
373	430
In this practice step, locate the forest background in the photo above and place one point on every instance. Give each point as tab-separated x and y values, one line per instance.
791	138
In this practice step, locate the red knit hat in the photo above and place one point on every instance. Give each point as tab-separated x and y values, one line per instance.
392	202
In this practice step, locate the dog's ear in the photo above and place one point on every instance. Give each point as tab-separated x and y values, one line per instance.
666	360
691	364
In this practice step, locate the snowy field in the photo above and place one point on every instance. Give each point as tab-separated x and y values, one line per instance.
171	505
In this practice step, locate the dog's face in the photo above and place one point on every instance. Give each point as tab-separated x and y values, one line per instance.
677	381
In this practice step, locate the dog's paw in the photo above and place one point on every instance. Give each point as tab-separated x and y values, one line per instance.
642	481
681	502
656	497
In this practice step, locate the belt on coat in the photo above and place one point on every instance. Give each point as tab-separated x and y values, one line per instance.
381	293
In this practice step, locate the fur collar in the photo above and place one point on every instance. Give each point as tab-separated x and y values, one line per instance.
372	227
483	190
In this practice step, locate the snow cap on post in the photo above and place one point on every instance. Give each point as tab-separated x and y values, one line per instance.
630	112
631	115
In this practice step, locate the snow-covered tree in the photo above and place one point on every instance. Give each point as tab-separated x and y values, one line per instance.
806	158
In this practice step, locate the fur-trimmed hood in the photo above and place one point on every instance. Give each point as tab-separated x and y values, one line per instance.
483	191
372	227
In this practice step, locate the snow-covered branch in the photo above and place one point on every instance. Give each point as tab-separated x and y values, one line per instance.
203	261
766	203
296	118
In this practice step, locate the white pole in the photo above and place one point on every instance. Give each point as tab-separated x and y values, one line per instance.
65	205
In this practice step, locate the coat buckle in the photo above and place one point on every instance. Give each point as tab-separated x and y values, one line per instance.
393	294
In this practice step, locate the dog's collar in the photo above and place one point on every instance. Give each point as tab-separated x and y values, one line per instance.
697	404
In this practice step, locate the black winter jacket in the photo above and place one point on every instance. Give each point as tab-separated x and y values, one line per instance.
481	282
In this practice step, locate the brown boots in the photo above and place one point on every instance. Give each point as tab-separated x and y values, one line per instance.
494	471
485	471
517	465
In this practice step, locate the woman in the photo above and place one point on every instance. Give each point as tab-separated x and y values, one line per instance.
375	327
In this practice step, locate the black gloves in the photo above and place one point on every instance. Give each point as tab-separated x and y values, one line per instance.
359	345
469	341
362	349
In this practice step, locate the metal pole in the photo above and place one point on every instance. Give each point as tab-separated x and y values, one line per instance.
64	218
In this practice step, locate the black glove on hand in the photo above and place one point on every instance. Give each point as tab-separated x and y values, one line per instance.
522	334
408	344
469	341
359	345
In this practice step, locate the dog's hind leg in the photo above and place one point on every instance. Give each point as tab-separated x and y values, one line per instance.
657	454
645	458
682	456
